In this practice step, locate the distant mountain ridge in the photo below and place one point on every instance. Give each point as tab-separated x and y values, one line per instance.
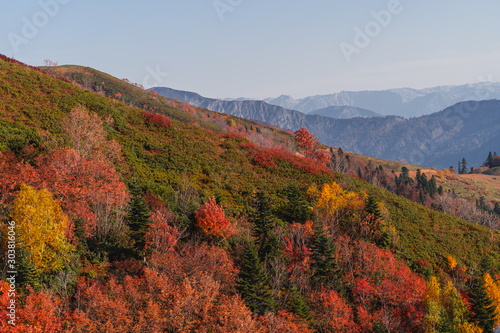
345	112
466	129
405	102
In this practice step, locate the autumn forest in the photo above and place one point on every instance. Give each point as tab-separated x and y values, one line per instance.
124	211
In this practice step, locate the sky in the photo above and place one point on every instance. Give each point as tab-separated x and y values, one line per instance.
262	48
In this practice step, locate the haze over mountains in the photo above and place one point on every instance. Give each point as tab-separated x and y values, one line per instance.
405	102
345	112
466	129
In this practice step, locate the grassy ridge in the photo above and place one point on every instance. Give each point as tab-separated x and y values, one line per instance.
188	158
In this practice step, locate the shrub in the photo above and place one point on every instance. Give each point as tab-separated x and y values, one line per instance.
158	119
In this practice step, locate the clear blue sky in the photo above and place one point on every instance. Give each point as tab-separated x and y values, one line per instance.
262	48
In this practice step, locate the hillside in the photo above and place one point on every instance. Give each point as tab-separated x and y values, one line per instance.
215	253
404	102
464	130
114	85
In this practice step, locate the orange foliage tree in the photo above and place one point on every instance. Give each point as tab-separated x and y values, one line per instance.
86	132
38	312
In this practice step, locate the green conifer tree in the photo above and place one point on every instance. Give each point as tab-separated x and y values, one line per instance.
26	269
464	166
138	216
253	283
297	305
264	225
489	161
432	186
325	270
483	309
372	207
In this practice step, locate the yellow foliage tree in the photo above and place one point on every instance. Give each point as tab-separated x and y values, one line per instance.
433	292
333	199
433	304
456	310
493	291
42	225
452	262
469	328
446	307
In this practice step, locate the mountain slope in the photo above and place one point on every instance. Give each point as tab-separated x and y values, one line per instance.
410	219
405	102
174	168
468	129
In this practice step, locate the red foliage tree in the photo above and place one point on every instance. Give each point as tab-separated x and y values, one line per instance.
306	141
282	321
154	302
211	218
90	190
161	236
332	313
298	258
384	286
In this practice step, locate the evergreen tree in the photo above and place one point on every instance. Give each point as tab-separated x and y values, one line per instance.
432	186
325	270
459	170
138	216
489	161
464	166
421	197
26	269
482	205
497	208
440	190
253	283
405	178
294	208
371	206
424	184
418	179
267	241
297	305
483	311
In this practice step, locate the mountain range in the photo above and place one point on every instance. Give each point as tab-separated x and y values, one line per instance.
405	102
345	112
466	129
